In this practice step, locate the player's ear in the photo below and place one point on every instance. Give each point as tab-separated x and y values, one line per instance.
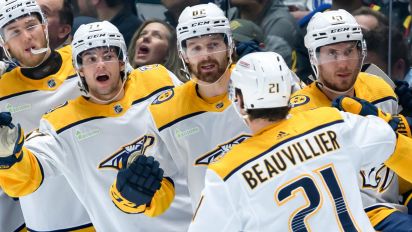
122	65
81	73
240	102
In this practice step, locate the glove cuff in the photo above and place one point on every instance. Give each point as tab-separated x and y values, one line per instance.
9	161
123	204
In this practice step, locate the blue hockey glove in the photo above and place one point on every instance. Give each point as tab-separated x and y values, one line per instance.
399	123
139	182
405	97
244	48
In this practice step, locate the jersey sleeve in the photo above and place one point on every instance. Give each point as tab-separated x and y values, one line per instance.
401	160
26	175
215	210
175	80
372	136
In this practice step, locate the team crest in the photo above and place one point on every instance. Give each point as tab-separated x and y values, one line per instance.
220	151
148	67
164	96
134	148
377	178
298	100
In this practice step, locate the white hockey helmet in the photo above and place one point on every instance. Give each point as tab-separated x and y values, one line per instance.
331	27
199	20
264	79
95	35
11	10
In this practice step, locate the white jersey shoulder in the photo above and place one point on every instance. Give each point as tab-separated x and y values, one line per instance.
294	175
87	148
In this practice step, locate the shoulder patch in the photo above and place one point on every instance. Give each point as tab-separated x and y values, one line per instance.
164	96
57	107
121	157
219	151
298	100
147	67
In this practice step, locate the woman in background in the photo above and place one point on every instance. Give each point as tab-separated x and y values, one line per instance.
155	43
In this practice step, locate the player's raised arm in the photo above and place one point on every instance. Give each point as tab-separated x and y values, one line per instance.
400	160
20	171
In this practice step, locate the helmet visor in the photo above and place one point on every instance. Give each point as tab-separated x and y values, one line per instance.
94	56
339	53
27	25
205	45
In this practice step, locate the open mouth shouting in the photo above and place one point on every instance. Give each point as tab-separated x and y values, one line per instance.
101	78
143	51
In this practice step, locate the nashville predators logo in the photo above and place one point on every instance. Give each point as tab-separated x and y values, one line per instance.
120	157
164	96
378	179
219	151
148	67
298	100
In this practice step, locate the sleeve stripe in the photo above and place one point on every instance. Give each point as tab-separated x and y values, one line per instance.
180	119
77	123
152	94
384	99
17	94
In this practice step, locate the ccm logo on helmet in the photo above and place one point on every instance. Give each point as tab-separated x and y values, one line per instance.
340	30
96	36
14	7
200	23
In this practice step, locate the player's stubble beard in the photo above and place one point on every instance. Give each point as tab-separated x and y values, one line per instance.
343	85
209	77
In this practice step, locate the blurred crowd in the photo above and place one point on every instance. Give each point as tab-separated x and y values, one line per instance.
258	25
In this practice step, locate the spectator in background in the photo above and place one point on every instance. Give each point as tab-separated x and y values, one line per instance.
59	14
175	7
118	12
370	19
155	43
377	45
348	5
249	38
275	20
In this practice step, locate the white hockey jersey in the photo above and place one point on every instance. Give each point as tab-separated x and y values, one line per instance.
86	143
53	206
379	185
296	175
194	132
197	131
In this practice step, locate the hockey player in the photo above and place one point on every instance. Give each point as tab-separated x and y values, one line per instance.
203	124
336	48
296	173
44	79
88	139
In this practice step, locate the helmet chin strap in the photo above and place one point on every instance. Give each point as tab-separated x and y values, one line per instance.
323	86
104	102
